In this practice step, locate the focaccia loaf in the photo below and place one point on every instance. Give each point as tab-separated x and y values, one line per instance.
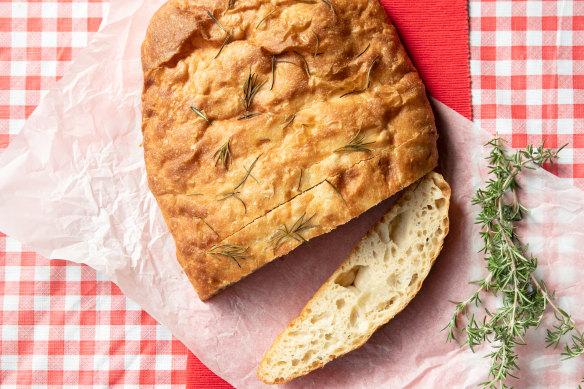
267	123
380	277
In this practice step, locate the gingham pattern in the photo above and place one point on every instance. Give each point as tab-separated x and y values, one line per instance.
527	70
62	324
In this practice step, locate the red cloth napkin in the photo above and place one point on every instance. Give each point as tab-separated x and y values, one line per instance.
435	34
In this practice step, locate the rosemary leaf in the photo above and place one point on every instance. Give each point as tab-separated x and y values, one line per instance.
307	1
336	190
194	194
367	82
305	63
249	115
273	71
316	53
200	114
264	18
327	2
300	179
510	276
235	193
364	51
229	6
224	155
289	121
208	225
217	21
236	253
355	144
251	86
224	43
284	233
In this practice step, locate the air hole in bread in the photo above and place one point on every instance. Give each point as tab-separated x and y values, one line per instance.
340	303
347	278
399	231
414	278
295	362
354	317
430	207
440	203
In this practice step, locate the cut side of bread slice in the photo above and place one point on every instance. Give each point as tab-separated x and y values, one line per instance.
378	279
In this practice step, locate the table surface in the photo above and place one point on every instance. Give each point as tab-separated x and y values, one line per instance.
64	324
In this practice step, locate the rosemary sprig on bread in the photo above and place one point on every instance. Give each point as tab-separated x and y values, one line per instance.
510	274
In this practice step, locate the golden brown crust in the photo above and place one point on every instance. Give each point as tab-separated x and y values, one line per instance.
294	157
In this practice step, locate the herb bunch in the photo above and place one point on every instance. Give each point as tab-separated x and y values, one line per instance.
510	273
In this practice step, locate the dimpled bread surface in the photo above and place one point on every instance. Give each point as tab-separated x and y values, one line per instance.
338	120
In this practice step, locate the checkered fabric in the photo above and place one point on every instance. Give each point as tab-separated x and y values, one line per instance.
527	70
62	324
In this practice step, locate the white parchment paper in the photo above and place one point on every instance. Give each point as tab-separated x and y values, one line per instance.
73	186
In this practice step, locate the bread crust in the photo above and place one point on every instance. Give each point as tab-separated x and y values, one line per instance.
182	70
306	311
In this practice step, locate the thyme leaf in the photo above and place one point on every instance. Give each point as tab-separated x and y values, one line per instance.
236	253
510	272
355	144
224	155
283	233
201	114
367	82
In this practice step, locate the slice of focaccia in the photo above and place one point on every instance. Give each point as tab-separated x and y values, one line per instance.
267	123
380	277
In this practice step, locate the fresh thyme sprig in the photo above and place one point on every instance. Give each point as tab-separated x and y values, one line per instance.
251	86
235	193
224	155
355	144
510	272
201	114
367	81
234	252
284	233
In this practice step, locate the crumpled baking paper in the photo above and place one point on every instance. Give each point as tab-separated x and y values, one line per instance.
73	186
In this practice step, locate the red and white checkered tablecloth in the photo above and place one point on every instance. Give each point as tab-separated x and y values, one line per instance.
527	71
63	324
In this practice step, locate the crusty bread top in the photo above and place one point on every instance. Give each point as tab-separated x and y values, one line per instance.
293	146
379	278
